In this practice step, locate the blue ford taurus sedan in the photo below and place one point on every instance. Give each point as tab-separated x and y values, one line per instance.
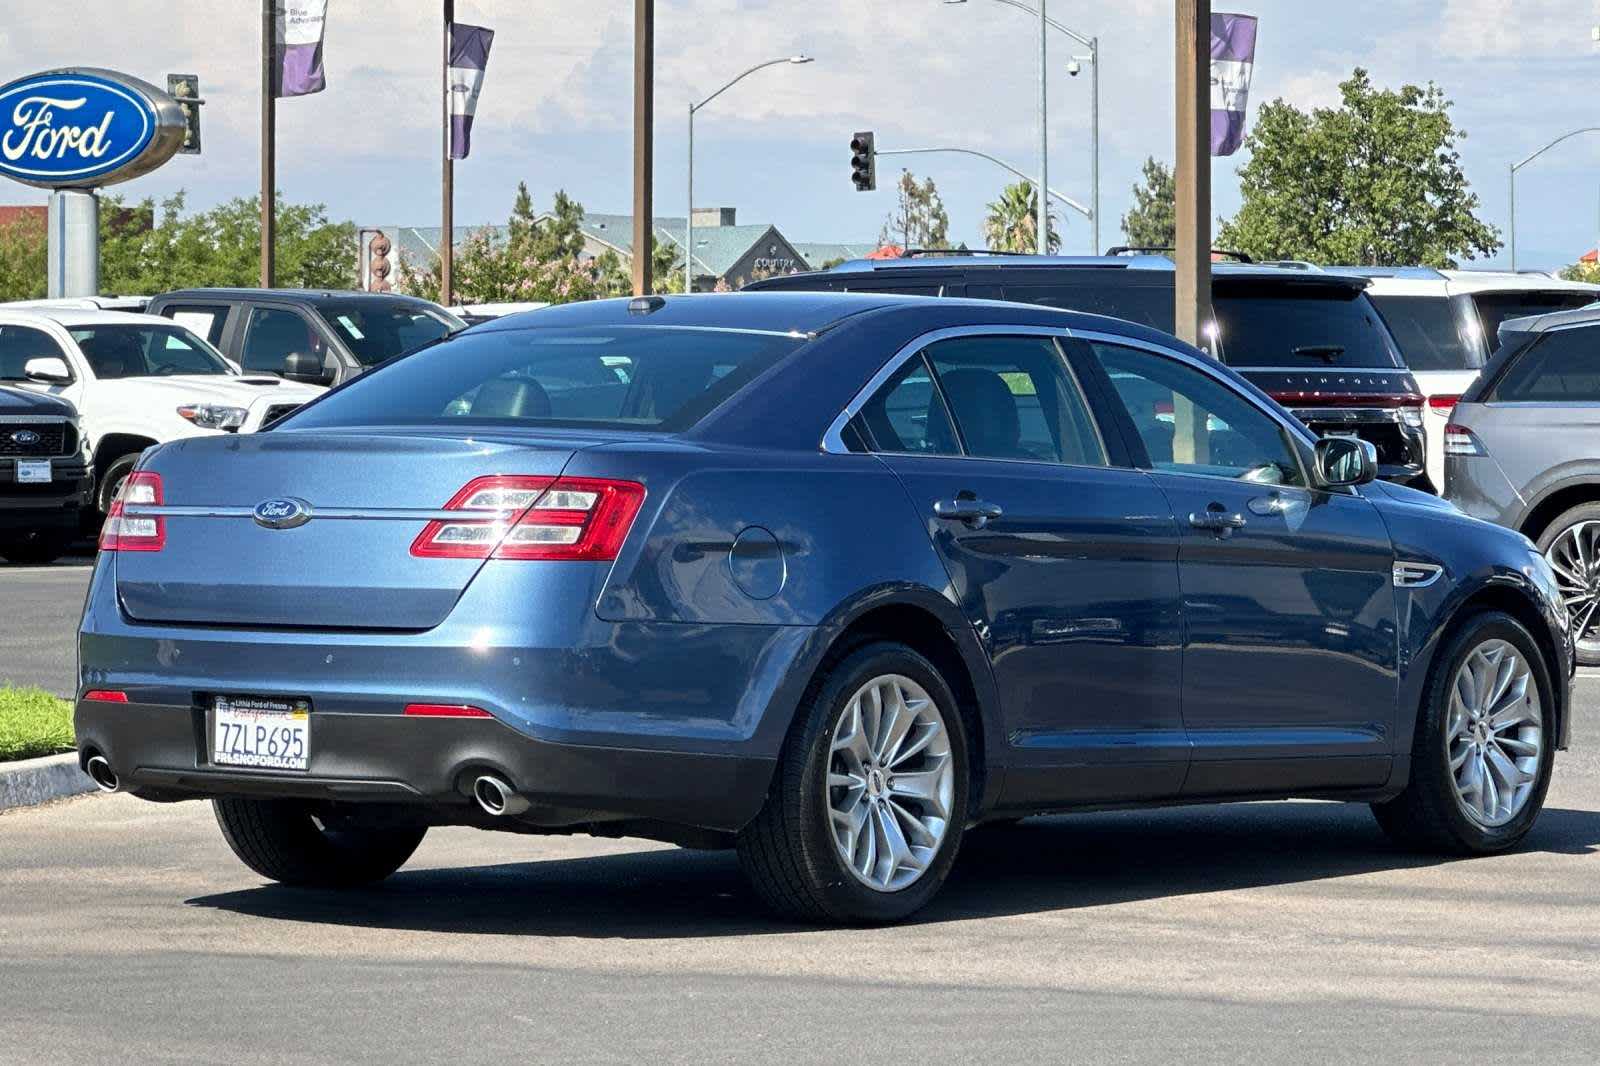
827	578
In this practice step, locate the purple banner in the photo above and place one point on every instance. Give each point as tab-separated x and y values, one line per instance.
1233	59
469	58
299	44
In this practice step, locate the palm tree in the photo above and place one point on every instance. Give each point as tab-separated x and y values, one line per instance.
1013	222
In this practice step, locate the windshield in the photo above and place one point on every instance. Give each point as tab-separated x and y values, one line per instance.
1495	307
1432	332
375	332
1302	326
618	378
126	350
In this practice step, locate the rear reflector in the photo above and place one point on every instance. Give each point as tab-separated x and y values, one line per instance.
516	517
105	695
127	533
445	710
1352	399
1443	405
1459	440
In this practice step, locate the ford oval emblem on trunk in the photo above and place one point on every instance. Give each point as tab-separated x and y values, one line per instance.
285	513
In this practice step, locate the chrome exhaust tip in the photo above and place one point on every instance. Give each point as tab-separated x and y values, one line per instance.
496	796
100	772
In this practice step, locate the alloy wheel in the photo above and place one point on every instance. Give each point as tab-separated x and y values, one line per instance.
1494	733
1575	558
891	783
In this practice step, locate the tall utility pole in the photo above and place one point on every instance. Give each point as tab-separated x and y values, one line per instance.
1193	171
269	138
644	115
447	179
1044	133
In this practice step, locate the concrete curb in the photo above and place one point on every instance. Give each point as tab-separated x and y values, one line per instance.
34	781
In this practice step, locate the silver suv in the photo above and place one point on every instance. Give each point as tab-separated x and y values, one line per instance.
1523	449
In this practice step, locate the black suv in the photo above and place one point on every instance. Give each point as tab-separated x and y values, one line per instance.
44	474
320	337
1312	340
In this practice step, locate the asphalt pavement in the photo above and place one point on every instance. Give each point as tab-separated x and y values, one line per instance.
39	611
1271	932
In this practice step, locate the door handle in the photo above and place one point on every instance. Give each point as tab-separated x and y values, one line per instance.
1216	519
974	512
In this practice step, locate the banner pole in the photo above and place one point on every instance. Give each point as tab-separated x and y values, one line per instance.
447	240
269	145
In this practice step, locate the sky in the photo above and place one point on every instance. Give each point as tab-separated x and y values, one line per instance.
556	109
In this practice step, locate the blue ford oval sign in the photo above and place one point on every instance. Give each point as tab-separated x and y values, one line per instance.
84	127
285	513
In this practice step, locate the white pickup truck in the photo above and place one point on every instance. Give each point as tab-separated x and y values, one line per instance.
136	380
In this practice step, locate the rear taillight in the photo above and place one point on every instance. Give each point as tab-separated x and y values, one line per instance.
1459	440
515	517
1442	405
134	533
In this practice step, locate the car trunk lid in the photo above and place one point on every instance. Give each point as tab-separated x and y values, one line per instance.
347	562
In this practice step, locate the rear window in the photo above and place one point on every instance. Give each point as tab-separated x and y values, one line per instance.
657	378
1563	367
1433	332
1302	326
1495	307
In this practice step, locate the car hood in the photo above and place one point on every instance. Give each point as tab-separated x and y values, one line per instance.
219	389
16	402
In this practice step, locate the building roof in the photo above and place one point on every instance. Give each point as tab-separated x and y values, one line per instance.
815	253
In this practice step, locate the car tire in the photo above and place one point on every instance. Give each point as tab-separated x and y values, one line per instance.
291	842
110	481
1566	522
791	853
1432	814
35	548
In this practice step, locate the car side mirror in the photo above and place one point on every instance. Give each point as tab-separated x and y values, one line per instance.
1345	461
49	370
308	368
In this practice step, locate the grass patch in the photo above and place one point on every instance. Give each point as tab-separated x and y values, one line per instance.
33	723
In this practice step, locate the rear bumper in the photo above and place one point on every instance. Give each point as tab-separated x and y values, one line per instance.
592	719
162	751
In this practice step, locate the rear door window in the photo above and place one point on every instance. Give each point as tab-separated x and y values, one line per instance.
273	335
908	415
1013	398
207	320
1434	332
1563	367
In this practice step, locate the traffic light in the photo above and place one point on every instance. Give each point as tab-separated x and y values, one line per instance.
863	162
185	88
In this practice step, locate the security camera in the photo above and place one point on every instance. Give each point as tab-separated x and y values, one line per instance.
1074	68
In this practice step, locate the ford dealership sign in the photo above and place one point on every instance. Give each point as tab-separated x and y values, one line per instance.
83	127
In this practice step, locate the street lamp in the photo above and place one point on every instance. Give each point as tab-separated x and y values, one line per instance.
1073	68
688	235
1513	184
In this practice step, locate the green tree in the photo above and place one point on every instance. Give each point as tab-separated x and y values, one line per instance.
919	219
142	251
1376	181
1152	220
22	260
1012	224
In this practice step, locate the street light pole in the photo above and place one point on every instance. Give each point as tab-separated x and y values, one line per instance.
688	229
1044	133
1512	185
1093	45
1001	163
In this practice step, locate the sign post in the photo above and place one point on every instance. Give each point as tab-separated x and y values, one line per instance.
71	131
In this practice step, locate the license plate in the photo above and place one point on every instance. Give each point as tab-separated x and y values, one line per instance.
261	732
33	471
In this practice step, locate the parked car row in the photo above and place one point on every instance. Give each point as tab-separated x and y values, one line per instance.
194	363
